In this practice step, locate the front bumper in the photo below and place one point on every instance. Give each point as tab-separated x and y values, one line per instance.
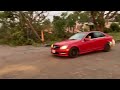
59	52
112	43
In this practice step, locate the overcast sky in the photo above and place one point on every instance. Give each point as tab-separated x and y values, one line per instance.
56	13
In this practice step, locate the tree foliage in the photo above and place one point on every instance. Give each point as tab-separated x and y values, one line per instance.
115	27
99	18
21	26
27	27
59	26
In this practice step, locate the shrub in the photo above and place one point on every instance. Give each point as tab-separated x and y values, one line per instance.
29	41
107	30
49	37
115	27
17	38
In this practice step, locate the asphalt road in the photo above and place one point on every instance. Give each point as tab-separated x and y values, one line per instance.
28	62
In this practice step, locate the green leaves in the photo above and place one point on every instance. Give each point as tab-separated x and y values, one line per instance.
15	28
115	27
59	25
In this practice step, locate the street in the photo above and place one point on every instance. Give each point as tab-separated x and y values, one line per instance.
28	62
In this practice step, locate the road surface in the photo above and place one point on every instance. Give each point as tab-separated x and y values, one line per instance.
28	62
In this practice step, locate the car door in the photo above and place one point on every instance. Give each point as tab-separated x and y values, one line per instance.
88	46
99	40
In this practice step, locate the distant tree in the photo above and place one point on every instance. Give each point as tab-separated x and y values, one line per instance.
46	24
22	22
82	16
117	18
59	26
99	18
79	16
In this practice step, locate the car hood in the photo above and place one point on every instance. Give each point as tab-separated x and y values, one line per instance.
67	42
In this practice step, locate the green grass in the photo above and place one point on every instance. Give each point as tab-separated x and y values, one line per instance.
116	35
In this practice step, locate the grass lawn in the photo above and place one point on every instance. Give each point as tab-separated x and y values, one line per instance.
116	35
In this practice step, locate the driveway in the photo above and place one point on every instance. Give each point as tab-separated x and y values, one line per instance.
28	62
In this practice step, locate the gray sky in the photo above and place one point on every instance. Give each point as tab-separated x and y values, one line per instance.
56	13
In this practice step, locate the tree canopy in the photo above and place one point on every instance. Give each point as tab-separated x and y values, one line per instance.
27	27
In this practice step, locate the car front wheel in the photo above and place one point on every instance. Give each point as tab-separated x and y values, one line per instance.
73	52
107	48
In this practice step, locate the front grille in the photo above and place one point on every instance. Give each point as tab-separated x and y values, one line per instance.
56	46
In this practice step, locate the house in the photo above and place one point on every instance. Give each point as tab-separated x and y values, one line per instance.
82	26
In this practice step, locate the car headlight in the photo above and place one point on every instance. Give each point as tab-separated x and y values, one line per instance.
64	47
52	46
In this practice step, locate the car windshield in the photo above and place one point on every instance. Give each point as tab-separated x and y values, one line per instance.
77	36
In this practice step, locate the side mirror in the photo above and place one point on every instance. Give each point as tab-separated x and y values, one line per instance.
87	39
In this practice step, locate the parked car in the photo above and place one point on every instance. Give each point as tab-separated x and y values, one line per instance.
83	42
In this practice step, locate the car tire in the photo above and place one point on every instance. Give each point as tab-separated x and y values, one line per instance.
107	48
73	52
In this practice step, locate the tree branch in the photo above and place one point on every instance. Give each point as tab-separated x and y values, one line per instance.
113	15
42	18
29	23
107	15
38	14
93	17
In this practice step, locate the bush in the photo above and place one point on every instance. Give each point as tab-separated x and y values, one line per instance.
17	38
115	27
29	41
36	44
49	37
3	41
107	30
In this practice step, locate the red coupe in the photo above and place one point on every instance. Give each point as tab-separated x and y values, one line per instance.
83	42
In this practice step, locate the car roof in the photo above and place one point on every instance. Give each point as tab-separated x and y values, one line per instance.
89	32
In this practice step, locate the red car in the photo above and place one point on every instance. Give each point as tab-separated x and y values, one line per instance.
83	42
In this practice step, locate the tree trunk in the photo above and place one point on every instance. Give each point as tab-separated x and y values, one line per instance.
99	28
32	28
93	18
27	34
70	29
73	29
42	36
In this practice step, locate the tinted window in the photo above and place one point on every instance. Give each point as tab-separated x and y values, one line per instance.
90	34
77	36
98	34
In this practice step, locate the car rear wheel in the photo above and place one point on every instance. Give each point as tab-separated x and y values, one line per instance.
107	48
73	52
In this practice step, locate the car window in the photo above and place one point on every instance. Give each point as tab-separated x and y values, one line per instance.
77	36
98	34
90	34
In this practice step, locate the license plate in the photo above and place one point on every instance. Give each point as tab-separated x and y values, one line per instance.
53	51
